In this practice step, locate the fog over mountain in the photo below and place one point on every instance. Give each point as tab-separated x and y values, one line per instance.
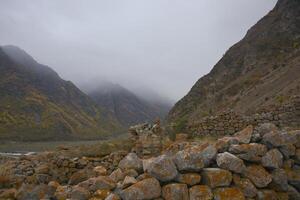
164	45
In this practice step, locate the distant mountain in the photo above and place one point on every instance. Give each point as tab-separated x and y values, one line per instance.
127	107
260	70
36	104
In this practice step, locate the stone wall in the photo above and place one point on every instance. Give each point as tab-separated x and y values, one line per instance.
284	116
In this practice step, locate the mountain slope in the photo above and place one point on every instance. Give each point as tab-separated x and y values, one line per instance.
36	104
128	108
260	70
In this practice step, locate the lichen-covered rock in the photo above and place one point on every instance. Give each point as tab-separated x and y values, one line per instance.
98	183
224	143
128	181
101	194
246	186
78	177
175	191
162	168
215	177
250	152
228	194
63	192
131	161
195	158
245	135
287	150
79	193
145	189
258	175
117	175
273	159
200	192
279	180
189	178
35	192
266	195
230	162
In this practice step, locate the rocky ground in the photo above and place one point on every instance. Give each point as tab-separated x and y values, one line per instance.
261	163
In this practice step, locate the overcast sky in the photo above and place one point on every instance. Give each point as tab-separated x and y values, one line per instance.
165	45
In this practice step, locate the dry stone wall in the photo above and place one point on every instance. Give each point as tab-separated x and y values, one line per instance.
226	123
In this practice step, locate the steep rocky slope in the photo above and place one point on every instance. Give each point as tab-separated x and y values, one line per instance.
36	104
261	70
127	107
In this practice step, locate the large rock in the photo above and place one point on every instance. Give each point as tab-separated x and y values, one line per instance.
288	150
266	195
117	175
215	177
131	161
175	191
273	159
224	143
195	158
228	194
266	128
246	186
245	135
250	152
200	192
145	189
294	178
35	192
230	162
190	178
162	168
79	193
128	181
258	175
98	183
277	139
279	180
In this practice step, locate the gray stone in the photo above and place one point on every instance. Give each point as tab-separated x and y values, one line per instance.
131	161
230	162
162	168
287	150
279	180
273	159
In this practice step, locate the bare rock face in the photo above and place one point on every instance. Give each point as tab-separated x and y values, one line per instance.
266	194
250	152
201	192
258	175
228	194
273	159
230	162
246	186
175	191
189	178
215	177
131	161
145	189
162	168
245	135
195	158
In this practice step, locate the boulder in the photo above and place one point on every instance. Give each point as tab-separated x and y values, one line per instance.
131	161
245	135
117	175
35	192
98	183
8	194
215	177
195	158
145	189
128	181
175	191
258	175
224	143
101	194
230	162
79	193
200	192
266	195
293	193
250	152
246	186
266	128
78	177
273	159
279	180
189	178
287	150
229	193
294	178
63	192
275	139
162	168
